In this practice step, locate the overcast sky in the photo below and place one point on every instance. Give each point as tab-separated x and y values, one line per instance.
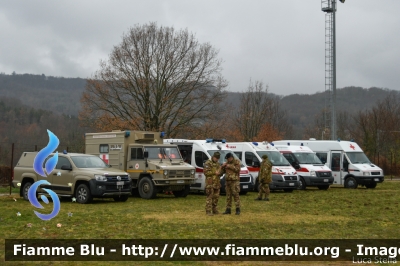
278	42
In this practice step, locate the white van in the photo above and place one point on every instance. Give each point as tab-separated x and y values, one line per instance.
284	176
196	152
311	171
350	166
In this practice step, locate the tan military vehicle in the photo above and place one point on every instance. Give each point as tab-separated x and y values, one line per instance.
76	175
153	166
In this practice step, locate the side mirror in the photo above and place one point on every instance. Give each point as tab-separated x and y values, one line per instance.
146	154
66	167
296	165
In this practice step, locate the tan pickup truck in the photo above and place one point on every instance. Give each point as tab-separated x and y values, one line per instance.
76	175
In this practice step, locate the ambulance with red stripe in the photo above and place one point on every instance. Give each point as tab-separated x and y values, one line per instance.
350	166
312	172
196	152
284	176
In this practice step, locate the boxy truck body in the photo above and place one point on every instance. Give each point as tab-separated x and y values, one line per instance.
350	166
162	170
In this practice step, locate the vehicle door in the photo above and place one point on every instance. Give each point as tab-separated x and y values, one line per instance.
337	167
62	180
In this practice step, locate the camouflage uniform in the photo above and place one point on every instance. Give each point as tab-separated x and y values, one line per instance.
212	185
232	183
264	178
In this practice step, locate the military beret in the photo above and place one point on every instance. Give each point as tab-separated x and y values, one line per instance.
217	155
228	155
265	156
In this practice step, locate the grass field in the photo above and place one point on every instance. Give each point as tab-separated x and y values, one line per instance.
337	213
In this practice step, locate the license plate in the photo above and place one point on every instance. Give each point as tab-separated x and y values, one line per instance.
245	186
376	179
326	180
180	181
120	183
291	184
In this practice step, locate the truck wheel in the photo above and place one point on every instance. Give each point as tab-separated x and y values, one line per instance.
147	189
323	187
372	185
182	193
288	190
83	194
302	184
25	190
351	182
121	198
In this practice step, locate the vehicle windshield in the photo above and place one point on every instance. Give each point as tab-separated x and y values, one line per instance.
223	154
307	158
88	162
275	157
358	157
163	152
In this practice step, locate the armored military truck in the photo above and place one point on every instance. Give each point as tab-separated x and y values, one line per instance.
76	175
153	166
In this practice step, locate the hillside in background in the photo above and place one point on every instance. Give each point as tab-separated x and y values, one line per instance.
62	96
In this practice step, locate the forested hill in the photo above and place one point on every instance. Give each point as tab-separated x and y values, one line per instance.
62	96
57	94
303	108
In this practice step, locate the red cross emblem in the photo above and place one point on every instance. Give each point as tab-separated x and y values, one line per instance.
352	147
104	157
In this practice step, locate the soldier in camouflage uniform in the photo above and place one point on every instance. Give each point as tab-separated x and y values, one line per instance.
231	169
264	178
212	170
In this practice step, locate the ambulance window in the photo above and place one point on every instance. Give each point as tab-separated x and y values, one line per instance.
137	154
103	148
289	157
322	156
335	163
238	154
200	157
249	157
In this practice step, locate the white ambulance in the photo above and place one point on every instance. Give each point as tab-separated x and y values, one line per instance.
196	152
350	166
284	176
312	172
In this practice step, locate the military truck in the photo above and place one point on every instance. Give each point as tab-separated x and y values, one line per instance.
153	166
76	175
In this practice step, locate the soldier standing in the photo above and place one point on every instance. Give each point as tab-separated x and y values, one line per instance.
264	178
231	168
212	170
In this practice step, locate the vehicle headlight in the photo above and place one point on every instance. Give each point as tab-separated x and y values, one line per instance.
165	172
100	177
192	172
312	173
365	173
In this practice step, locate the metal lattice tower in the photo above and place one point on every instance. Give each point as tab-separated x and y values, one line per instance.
329	7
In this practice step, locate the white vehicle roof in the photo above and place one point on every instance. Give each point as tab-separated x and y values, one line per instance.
293	148
207	144
325	145
257	146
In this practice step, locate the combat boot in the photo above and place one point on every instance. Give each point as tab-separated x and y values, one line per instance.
215	211
258	198
237	211
227	211
209	213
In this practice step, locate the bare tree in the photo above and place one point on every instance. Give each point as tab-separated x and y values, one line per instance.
155	79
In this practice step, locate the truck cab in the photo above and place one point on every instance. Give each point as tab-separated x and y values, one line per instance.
349	164
154	167
312	172
284	176
196	152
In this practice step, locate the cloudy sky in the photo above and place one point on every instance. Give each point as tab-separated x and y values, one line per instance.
278	42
